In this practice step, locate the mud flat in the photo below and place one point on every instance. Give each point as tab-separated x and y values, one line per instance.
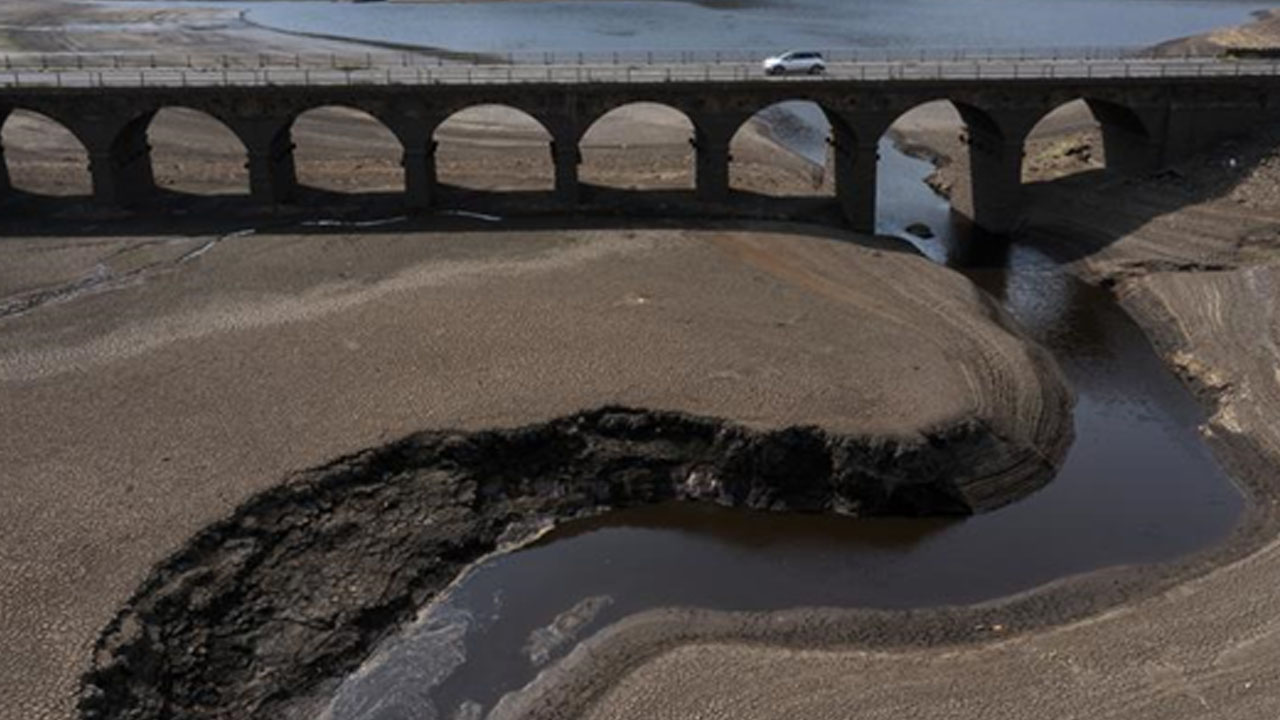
60	26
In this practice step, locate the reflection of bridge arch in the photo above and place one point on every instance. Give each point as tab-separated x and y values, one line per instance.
41	156
639	126
512	146
345	148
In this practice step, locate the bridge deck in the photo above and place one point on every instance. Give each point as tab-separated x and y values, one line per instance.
717	72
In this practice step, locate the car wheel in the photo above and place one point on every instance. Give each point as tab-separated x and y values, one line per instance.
815	70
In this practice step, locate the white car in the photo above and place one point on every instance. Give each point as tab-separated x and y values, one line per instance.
810	63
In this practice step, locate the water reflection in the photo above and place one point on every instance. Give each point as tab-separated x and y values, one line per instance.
756	530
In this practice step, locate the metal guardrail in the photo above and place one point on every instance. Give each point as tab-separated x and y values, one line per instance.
424	58
993	69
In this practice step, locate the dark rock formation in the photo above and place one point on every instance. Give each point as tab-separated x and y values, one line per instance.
280	600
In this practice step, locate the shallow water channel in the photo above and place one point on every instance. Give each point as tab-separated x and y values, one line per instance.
1138	485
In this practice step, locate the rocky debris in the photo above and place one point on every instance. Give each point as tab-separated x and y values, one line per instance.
278	602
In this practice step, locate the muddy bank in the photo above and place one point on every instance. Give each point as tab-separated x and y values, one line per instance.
291	592
1192	252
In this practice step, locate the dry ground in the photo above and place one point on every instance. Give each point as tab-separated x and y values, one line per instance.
166	378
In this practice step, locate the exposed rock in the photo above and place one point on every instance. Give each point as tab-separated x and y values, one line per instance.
290	593
920	230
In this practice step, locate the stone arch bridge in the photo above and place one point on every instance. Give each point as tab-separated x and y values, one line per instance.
1146	123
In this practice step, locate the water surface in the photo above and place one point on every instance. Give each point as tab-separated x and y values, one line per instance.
757	25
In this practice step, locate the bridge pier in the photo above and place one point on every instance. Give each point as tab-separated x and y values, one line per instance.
6	184
711	165
416	134
995	183
855	166
420	176
566	158
120	166
273	179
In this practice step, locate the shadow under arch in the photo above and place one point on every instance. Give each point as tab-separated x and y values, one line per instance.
640	145
492	147
785	149
344	149
41	157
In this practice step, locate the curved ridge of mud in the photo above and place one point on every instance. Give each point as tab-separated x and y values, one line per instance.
274	604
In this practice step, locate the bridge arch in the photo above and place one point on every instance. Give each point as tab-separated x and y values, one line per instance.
494	147
983	182
1088	133
786	149
340	148
640	145
40	155
186	149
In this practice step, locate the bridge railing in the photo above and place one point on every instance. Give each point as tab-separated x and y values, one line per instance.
381	59
608	73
